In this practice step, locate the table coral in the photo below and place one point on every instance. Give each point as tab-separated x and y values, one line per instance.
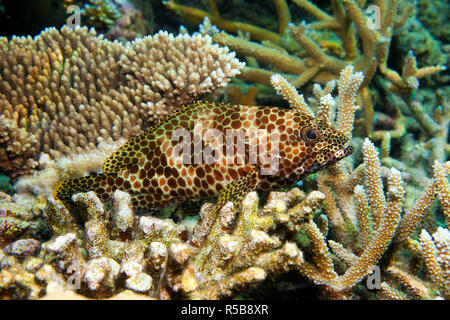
63	90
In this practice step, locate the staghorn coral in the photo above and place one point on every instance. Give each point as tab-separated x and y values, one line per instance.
304	52
63	90
414	288
402	284
426	110
197	15
436	254
381	229
347	15
351	206
436	188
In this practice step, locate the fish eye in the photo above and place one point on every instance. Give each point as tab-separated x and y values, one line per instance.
308	134
311	135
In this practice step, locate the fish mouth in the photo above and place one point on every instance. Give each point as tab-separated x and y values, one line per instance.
338	155
344	152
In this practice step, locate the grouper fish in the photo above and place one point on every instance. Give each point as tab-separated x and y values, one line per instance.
212	149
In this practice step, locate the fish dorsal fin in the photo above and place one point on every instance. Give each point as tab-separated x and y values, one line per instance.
123	157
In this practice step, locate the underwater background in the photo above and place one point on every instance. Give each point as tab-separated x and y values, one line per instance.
80	78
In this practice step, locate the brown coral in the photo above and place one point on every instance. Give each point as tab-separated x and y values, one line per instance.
63	90
350	206
296	51
220	258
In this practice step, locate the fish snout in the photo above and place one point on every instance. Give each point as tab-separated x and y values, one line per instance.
344	152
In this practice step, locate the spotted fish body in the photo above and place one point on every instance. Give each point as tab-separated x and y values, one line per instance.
212	148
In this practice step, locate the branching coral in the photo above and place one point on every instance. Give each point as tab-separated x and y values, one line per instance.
402	284
101	13
381	229
347	15
221	257
426	110
350	206
356	222
436	252
235	251
63	90
385	217
197	15
309	59
436	188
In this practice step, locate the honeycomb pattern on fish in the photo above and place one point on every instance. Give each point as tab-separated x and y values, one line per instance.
190	155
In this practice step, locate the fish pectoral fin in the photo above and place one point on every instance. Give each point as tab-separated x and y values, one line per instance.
237	189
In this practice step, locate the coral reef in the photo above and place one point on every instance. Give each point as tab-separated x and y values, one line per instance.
343	191
155	256
374	225
430	16
307	52
100	13
63	90
355	201
317	64
357	221
222	254
22	221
